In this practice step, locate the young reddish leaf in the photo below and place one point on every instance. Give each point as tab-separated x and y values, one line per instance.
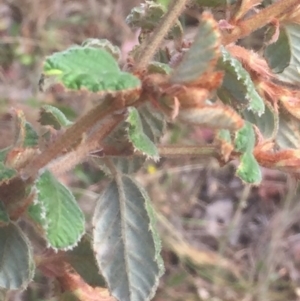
223	138
291	103
202	56
26	136
214	116
285	160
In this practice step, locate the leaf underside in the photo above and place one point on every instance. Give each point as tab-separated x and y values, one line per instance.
128	254
16	258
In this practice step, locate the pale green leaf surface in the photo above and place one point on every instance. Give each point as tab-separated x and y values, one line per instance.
91	68
50	115
137	137
245	138
237	87
126	242
248	169
202	54
16	258
65	220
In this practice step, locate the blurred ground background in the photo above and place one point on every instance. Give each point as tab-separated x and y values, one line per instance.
222	240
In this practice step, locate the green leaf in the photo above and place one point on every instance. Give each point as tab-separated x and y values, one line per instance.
286	51
126	243
103	44
16	258
267	123
50	115
3	153
154	122
89	68
213	3
278	54
202	55
6	173
237	88
123	165
82	259
137	137
147	15
4	218
161	68
65	220
249	170
245	138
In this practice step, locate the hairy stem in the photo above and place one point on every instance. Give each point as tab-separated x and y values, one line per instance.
150	46
190	151
72	134
93	142
263	17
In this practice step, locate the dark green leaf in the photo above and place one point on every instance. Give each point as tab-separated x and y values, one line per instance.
127	253
237	88
65	220
17	264
82	259
278	54
292	72
3	153
50	115
267	123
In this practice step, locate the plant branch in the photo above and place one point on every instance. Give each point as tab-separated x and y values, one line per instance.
190	151
71	135
150	46
263	17
92	143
